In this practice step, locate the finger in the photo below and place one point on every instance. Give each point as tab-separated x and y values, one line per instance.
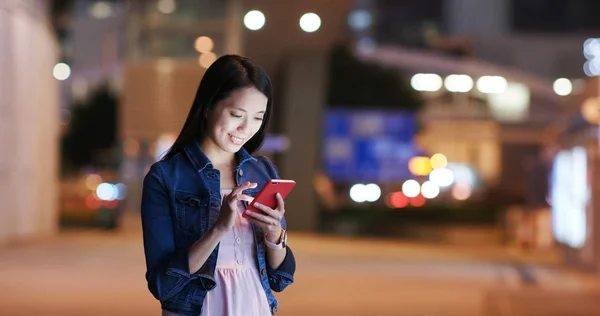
280	203
269	220
231	198
267	227
271	212
244	186
246	198
240	197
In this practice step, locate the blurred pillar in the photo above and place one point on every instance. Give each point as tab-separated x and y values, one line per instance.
29	121
305	88
234	28
470	17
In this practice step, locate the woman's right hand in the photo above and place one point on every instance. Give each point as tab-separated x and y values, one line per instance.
229	209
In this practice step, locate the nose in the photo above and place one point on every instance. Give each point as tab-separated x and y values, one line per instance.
243	127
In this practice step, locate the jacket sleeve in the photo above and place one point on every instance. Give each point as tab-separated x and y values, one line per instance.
167	268
283	276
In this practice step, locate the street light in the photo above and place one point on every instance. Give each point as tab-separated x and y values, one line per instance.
426	82
491	84
310	22
458	83
61	71
254	20
562	86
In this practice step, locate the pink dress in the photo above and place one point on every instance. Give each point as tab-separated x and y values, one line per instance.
238	291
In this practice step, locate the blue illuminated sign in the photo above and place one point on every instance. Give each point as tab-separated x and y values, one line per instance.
368	145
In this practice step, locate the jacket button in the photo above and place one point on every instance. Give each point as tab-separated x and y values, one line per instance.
274	309
193	203
264	271
241	172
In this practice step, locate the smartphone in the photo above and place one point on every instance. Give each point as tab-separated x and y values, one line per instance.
267	196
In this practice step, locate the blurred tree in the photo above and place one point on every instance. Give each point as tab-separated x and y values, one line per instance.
354	83
92	130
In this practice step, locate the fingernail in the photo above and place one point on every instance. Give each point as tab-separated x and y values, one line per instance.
278	194
257	204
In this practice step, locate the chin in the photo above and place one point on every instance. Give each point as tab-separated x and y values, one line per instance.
231	148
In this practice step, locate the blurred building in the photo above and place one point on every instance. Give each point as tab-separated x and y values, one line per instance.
94	47
575	180
498	134
29	120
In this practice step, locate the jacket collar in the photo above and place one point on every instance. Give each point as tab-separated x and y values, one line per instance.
200	161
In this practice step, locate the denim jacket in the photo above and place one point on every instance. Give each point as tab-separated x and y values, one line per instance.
180	202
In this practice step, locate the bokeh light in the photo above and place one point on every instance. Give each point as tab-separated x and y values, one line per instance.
204	44
254	20
411	188
310	22
438	161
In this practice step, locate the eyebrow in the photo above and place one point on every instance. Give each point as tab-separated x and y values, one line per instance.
240	109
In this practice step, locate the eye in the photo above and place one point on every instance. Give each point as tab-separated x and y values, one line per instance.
258	118
235	115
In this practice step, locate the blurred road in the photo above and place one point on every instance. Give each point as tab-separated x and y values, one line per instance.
102	273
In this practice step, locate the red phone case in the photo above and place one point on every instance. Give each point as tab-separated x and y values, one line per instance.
267	196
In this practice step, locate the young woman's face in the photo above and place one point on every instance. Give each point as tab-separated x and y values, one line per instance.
236	119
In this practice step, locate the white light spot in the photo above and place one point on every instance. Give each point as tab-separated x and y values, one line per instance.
426	82
106	192
430	190
411	188
562	86
492	84
372	192
357	193
310	22
61	71
254	20
458	83
442	177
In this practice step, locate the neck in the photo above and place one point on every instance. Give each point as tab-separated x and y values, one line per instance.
216	155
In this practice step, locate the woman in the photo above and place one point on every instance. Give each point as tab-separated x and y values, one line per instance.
202	256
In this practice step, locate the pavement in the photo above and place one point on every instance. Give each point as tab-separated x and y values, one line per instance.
92	272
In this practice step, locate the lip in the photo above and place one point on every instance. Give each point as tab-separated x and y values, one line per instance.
236	140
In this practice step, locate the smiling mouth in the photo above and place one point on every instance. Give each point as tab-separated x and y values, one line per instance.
236	140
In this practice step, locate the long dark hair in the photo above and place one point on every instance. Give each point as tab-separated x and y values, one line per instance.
226	75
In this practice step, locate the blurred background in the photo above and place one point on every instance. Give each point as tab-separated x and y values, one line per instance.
446	151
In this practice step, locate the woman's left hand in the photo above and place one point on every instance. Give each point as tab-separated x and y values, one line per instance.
270	222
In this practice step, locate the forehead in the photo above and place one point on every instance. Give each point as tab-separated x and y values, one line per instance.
249	99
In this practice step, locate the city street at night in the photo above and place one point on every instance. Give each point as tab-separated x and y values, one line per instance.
419	157
88	272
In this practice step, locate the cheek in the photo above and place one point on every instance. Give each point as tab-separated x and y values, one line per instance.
256	127
226	124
